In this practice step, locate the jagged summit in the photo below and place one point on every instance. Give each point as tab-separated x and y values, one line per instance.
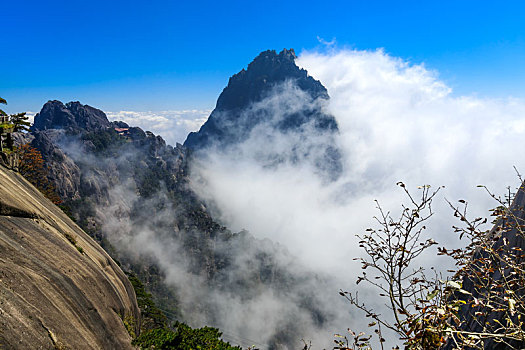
266	70
56	115
234	118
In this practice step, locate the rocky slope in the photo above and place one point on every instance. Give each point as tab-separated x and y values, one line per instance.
58	288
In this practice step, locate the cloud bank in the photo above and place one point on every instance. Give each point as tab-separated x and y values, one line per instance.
173	126
398	122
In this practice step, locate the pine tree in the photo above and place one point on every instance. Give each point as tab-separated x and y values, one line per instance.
12	123
2	101
20	122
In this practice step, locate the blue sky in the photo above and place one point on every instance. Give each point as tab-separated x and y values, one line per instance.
163	55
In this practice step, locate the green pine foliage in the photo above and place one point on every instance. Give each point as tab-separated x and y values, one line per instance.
156	334
106	142
20	122
152	317
2	101
183	338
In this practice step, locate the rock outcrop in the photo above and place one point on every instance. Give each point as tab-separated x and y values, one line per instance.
56	115
266	70
58	288
68	183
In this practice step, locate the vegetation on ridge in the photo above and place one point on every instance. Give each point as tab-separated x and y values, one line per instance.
31	166
481	306
156	333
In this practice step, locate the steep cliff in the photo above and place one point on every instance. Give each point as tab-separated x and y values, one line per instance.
58	288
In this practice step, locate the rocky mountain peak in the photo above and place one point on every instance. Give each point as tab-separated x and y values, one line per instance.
266	70
73	115
232	121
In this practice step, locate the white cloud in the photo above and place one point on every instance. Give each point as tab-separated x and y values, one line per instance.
398	122
326	43
173	126
31	116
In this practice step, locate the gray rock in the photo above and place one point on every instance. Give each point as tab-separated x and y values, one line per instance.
73	115
52	296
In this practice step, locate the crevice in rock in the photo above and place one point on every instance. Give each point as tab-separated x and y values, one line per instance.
7	210
52	336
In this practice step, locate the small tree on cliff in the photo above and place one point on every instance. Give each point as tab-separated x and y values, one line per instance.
20	122
15	123
482	306
2	101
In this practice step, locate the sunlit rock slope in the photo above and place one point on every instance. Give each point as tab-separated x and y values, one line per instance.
58	288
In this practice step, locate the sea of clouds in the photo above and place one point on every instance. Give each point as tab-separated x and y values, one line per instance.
173	125
397	122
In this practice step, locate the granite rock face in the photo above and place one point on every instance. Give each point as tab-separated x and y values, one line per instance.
68	183
58	288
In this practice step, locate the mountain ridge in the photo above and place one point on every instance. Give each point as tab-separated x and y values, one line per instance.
56	115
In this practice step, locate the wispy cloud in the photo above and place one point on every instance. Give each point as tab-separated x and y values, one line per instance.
327	43
31	116
173	125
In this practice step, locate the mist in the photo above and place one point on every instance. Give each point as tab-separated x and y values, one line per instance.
289	304
294	200
397	122
253	290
